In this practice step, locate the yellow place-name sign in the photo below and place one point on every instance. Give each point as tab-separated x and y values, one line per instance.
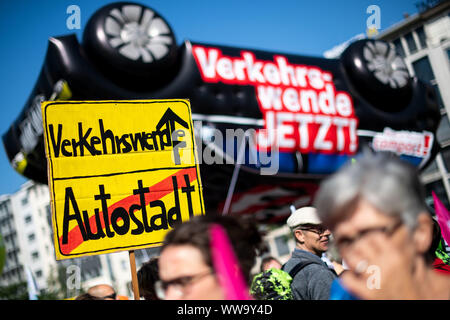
121	173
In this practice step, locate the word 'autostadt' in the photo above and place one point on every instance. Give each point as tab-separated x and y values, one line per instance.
166	217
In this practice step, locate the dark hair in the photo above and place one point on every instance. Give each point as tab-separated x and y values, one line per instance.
243	234
266	260
147	276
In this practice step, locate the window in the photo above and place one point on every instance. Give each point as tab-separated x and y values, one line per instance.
422	69
446	157
399	48
28	219
443	131
422	37
431	168
35	255
24	201
90	267
412	47
281	245
31	237
49	215
13	240
438	93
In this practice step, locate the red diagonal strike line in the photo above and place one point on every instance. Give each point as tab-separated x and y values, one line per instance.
157	191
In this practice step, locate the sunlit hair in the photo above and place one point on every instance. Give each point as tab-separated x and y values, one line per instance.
388	183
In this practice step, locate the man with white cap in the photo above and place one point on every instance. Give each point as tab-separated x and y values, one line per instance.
311	276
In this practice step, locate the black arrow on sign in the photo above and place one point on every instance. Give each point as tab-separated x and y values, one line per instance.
169	118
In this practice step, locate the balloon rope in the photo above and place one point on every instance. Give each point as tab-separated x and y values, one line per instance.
234	177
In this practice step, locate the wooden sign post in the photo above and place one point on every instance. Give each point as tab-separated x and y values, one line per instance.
134	280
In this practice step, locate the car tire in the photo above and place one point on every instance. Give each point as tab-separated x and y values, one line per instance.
128	41
378	73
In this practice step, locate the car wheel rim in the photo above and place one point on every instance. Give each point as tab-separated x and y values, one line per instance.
387	67
138	34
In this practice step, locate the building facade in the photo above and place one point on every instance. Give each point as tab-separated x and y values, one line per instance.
13	271
26	228
423	40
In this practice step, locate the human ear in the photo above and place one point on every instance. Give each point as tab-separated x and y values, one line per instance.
298	234
423	233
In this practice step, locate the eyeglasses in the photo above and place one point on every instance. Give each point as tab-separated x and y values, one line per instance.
346	242
177	284
318	229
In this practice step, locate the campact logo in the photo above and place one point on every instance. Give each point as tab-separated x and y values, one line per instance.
415	145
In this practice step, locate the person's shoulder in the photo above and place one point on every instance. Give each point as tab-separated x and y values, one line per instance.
291	263
316	266
319	271
302	259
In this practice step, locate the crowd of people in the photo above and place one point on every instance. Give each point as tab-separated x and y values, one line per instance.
368	235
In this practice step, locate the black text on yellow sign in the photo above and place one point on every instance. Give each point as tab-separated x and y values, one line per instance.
121	173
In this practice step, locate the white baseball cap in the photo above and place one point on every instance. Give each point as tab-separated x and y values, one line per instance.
305	215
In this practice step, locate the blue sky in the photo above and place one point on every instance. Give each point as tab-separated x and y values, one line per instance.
285	26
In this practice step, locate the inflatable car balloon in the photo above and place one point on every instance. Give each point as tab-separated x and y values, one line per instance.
294	119
129	42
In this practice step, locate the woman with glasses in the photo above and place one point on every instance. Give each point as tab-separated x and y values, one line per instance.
186	266
376	210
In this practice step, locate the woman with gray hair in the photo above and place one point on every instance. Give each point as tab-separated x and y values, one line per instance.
376	210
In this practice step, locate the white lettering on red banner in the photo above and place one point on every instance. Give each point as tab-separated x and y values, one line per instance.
300	105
